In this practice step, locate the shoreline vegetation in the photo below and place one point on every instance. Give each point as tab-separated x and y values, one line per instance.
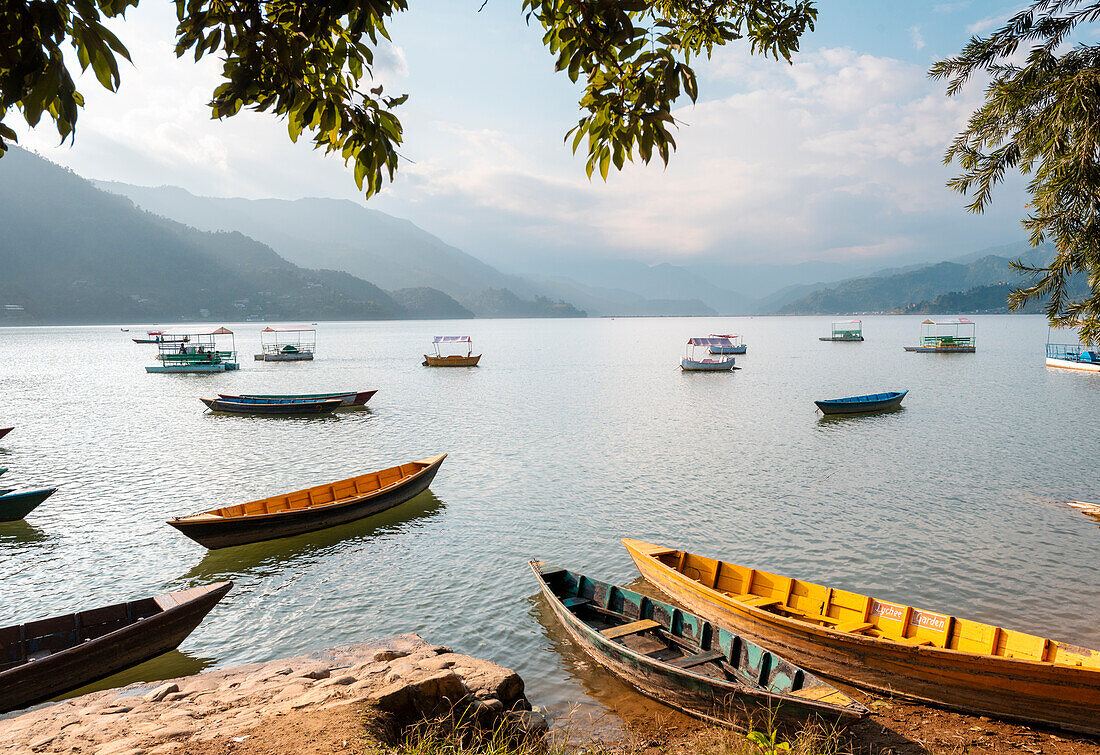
405	696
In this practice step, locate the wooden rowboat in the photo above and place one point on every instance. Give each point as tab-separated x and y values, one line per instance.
872	402
5	430
3	469
451	361
682	660
346	399
271	407
42	659
310	509
887	647
14	506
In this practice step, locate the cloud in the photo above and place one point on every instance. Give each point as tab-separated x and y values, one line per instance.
915	36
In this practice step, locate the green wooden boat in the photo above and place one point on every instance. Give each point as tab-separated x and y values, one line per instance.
3	469
14	506
683	661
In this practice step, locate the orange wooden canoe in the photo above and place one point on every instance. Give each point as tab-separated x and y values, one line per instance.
887	647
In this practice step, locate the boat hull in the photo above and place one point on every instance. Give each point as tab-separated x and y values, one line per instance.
40	680
5	430
346	399
858	339
240	530
15	506
284	358
839	406
728	349
430	361
195	368
941	349
276	408
690	365
716	701
1069	364
1061	696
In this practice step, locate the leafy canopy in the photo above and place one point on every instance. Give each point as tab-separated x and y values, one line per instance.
1041	116
306	61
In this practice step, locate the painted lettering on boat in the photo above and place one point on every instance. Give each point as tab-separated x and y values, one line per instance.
928	620
890	611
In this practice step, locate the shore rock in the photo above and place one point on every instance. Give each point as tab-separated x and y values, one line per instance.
404	679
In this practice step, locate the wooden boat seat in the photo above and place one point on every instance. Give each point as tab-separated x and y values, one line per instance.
698	659
574	602
910	641
757	601
855	627
633	627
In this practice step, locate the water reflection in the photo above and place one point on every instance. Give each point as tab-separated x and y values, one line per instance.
174	663
834	421
21	532
263	558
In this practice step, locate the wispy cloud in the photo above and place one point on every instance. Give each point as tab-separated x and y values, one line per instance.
915	36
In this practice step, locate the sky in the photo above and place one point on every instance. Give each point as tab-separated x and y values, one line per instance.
837	157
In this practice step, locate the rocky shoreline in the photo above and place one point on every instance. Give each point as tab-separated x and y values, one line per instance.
403	680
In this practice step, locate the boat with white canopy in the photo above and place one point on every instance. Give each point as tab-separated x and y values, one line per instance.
442	359
720	363
737	344
287	344
197	351
946	337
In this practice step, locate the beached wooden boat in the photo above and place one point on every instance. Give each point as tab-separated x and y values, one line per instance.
887	647
310	509
15	505
439	359
42	659
682	660
5	430
351	398
872	402
251	406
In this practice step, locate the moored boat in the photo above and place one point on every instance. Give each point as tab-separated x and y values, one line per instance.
348	399
683	660
737	344
42	659
3	469
265	406
887	647
310	509
5	430
872	402
283	344
846	330
946	337
469	359
159	336
692	364
1072	356
14	505
197	352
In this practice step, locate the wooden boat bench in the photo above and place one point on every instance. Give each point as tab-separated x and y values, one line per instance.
634	627
572	603
698	659
756	601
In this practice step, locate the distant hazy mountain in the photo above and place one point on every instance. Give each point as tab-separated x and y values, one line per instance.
617	302
72	252
921	285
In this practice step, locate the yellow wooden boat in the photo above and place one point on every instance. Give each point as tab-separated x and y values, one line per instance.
887	647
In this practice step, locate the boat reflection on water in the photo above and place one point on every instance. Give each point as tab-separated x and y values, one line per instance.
20	532
170	665
614	708
269	556
835	421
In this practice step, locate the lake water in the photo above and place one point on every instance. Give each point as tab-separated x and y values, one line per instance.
571	435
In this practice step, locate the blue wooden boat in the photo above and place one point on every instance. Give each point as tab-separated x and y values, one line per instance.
872	402
684	661
14	506
736	345
692	364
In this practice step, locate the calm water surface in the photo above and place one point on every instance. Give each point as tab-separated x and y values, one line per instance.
572	434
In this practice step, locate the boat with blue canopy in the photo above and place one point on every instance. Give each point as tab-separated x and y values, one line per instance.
946	337
737	344
440	359
200	352
287	344
872	402
845	330
1072	356
692	364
